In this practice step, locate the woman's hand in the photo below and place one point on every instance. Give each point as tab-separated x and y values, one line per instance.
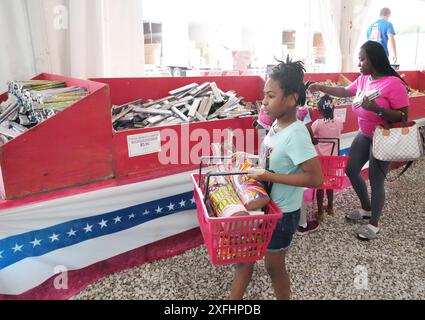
314	87
370	105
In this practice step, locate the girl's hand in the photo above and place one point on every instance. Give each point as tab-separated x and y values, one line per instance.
259	174
369	105
238	154
245	156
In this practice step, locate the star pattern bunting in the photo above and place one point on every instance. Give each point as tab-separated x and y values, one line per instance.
39	242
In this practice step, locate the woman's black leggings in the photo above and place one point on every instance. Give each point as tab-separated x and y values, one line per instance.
360	154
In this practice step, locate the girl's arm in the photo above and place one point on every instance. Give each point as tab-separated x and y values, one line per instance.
333	91
311	176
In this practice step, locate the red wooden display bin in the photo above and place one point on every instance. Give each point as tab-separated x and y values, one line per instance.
415	79
72	148
149	166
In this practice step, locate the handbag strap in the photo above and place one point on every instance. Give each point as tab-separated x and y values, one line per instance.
403	123
406	167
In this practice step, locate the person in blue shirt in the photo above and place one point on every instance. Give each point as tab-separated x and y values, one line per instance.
383	32
289	160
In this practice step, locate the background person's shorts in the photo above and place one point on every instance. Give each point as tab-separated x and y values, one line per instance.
284	232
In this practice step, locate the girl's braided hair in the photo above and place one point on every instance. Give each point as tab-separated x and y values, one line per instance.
290	76
326	107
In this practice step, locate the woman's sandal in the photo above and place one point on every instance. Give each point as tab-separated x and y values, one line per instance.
358	215
367	232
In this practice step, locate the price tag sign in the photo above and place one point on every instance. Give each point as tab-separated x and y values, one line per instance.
341	114
142	144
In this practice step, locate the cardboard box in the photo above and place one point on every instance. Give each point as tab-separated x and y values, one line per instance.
153	53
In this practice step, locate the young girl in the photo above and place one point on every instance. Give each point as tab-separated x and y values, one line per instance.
292	165
264	121
327	127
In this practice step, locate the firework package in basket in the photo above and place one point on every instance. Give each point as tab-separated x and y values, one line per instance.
223	199
236	195
252	193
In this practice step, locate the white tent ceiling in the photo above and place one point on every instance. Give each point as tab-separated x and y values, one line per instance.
103	37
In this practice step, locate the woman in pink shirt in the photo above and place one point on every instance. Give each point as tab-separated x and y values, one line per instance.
330	128
377	75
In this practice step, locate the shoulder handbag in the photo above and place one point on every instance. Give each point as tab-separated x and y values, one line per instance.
402	141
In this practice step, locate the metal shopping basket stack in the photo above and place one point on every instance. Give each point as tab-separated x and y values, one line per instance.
235	239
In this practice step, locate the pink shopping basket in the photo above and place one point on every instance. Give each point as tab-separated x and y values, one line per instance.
333	168
235	239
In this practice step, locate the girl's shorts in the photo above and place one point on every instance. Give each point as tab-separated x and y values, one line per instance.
284	232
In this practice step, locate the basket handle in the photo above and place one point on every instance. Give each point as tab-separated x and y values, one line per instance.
213	158
209	158
334	141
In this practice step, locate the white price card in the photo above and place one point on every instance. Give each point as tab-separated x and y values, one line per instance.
145	143
341	113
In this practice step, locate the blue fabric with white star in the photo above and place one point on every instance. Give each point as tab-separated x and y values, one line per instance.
40	242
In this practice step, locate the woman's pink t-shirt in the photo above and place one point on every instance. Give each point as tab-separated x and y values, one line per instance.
327	129
393	96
